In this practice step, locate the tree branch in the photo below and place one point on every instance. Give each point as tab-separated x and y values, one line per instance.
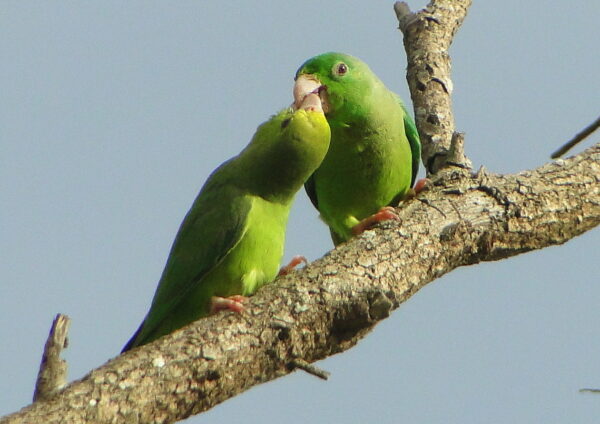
581	135
427	38
333	303
53	370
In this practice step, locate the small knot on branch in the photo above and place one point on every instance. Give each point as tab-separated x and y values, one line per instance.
404	15
456	155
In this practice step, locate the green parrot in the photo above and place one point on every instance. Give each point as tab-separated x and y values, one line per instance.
375	150
231	241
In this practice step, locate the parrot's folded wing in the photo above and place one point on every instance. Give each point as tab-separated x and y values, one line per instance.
219	214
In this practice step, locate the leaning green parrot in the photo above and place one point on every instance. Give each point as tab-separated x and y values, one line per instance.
375	150
231	241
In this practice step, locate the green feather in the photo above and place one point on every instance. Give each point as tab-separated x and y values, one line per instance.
375	150
232	239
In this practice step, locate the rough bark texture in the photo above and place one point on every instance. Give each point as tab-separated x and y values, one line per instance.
336	300
328	307
427	38
53	370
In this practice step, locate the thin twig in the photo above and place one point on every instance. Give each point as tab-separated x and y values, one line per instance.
589	390
580	136
311	369
53	370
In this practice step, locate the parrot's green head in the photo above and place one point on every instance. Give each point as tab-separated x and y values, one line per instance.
343	82
285	151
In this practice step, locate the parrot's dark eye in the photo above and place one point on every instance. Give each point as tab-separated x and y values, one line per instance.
340	69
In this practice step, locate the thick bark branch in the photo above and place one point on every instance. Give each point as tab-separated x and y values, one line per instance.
336	300
328	307
427	38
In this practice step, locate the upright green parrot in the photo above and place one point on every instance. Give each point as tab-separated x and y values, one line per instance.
231	241
375	150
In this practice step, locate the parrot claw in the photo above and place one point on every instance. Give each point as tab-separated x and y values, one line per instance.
384	214
421	185
296	260
231	303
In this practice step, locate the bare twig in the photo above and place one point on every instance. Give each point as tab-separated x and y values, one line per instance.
578	137
589	390
311	369
53	370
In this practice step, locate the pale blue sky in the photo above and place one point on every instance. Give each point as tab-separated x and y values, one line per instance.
112	115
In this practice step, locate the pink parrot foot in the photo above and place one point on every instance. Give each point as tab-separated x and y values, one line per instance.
384	214
231	303
296	260
421	185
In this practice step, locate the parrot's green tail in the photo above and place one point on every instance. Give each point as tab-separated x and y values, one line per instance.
131	343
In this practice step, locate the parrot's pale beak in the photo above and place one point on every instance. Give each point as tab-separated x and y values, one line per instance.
309	93
311	101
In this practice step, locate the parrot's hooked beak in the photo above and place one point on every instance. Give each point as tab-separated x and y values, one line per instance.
309	93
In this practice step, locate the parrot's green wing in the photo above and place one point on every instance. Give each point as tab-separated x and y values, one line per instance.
311	191
309	187
219	214
232	239
413	139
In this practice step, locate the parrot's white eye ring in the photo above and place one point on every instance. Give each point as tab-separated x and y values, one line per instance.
340	69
